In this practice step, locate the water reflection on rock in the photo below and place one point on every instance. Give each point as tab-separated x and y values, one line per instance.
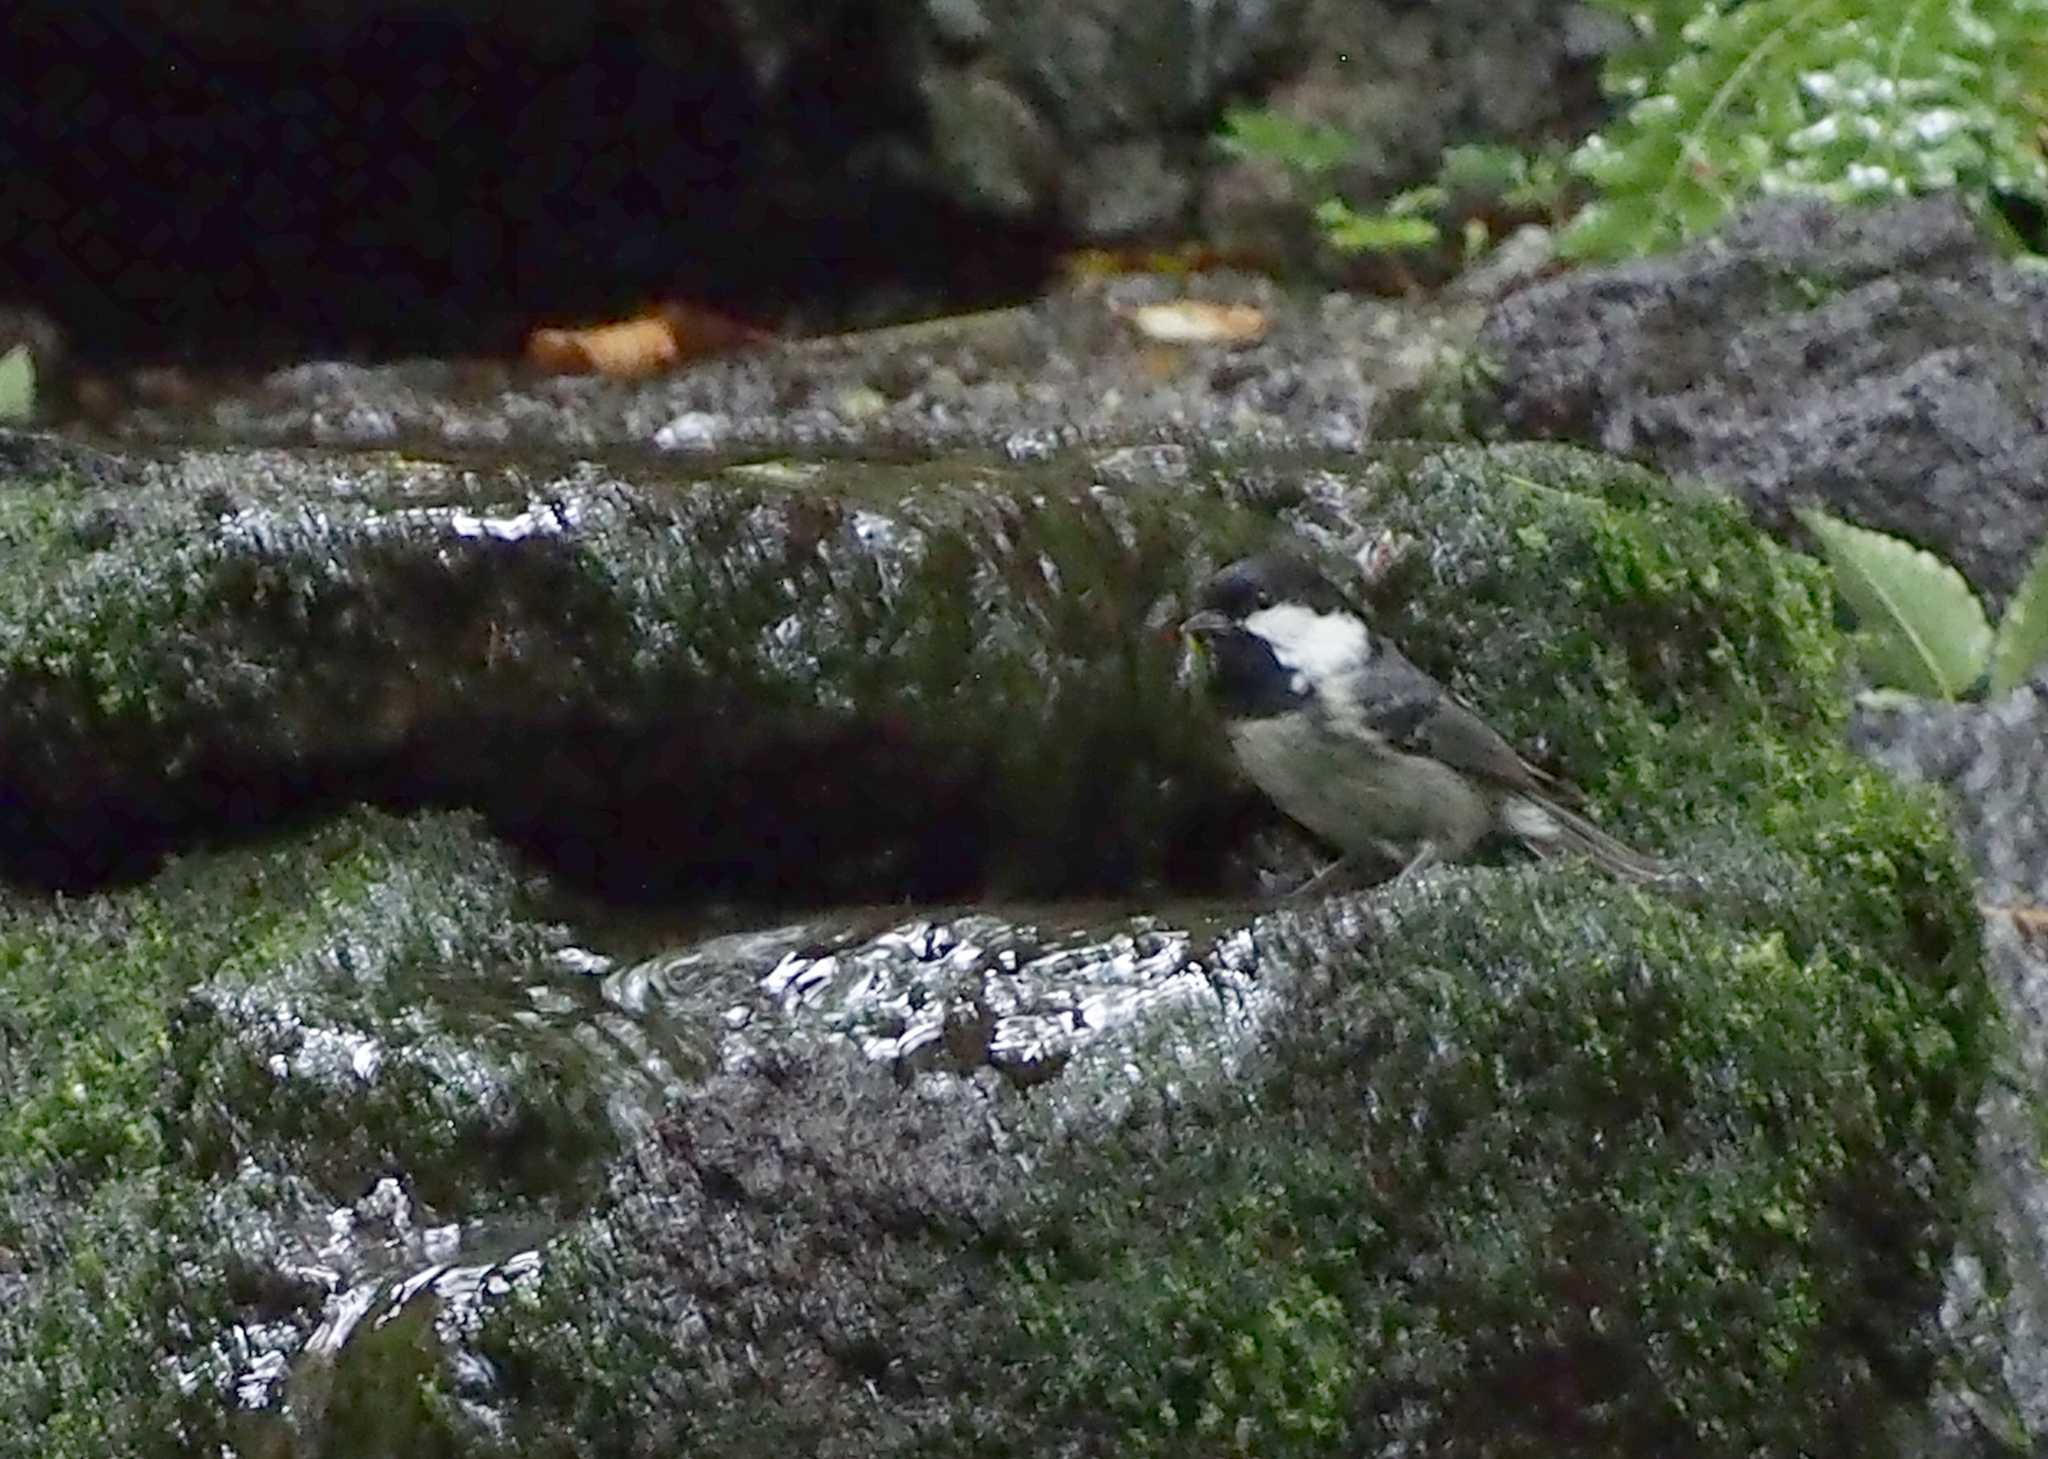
1015	993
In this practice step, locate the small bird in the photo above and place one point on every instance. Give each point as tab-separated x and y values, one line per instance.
1352	740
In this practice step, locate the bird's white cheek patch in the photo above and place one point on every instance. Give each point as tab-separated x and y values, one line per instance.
1318	645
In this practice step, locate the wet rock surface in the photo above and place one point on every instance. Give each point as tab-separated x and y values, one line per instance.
1992	759
385	1142
962	994
1883	363
618	670
1072	369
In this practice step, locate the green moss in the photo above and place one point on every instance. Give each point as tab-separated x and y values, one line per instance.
1543	1163
86	1333
384	1396
1450	402
89	987
1006	660
1536	1164
1528	1163
145	1128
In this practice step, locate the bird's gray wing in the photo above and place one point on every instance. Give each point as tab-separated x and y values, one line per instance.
1413	713
1464	741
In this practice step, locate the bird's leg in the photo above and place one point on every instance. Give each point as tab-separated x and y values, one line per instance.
1321	877
1420	862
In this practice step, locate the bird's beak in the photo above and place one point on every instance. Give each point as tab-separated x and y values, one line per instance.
1204	624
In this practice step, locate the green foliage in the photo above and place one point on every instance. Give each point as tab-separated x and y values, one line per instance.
17	385
1857	100
1726	101
1402	223
1537	182
1927	632
1924	632
1303	148
1471	182
2022	639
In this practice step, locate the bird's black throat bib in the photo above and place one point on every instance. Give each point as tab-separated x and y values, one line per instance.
1248	682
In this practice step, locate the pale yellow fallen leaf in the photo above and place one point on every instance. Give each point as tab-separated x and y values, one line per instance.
1197	321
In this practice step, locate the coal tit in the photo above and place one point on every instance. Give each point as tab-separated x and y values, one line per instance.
1349	738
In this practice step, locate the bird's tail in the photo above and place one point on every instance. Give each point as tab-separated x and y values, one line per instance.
1548	828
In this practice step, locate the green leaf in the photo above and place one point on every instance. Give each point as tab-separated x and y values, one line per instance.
1925	630
1350	231
1260	133
1484	169
1855	100
17	384
1416	200
2022	641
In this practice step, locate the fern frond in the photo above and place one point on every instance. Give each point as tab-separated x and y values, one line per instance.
1852	99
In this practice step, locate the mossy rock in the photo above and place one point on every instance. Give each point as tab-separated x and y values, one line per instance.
196	1073
1525	1162
1531	1172
846	681
1528	1162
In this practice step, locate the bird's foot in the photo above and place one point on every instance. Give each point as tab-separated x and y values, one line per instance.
1322	879
1420	862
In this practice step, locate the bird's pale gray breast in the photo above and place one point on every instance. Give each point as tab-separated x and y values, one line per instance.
1349	787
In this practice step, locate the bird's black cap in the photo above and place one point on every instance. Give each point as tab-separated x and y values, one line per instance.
1277	576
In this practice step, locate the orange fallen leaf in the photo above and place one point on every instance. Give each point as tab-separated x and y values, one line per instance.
629	348
645	345
1196	321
